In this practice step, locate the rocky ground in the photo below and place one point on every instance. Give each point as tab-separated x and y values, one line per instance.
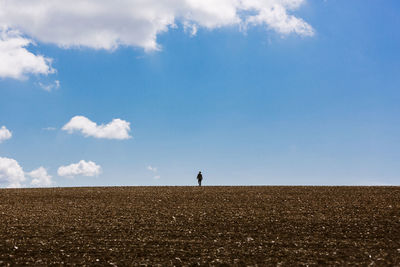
200	226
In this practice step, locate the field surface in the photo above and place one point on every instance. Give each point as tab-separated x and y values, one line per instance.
121	226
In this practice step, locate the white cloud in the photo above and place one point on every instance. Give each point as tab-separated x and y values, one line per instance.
4	134
11	173
49	87
40	177
151	168
275	16
116	129
84	168
15	60
49	128
155	171
102	24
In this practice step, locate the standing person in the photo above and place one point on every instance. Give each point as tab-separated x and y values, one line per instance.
199	178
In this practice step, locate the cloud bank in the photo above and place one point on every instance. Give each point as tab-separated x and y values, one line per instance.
5	134
40	177
15	60
84	168
11	173
102	24
116	129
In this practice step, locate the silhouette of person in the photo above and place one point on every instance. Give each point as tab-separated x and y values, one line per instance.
199	178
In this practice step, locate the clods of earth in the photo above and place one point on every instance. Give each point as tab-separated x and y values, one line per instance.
263	225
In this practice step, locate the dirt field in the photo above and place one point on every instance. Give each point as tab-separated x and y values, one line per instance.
208	225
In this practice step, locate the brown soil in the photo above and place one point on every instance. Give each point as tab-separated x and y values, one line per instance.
207	225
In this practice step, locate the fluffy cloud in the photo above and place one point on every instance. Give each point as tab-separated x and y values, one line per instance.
274	15
11	173
116	129
40	177
103	24
15	60
4	134
84	168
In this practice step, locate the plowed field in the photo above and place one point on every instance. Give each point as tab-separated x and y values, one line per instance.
207	225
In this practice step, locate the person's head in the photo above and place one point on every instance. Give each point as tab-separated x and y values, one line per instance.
199	171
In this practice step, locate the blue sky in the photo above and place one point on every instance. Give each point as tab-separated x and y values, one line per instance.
254	106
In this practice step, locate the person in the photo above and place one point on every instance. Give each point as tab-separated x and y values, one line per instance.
199	178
